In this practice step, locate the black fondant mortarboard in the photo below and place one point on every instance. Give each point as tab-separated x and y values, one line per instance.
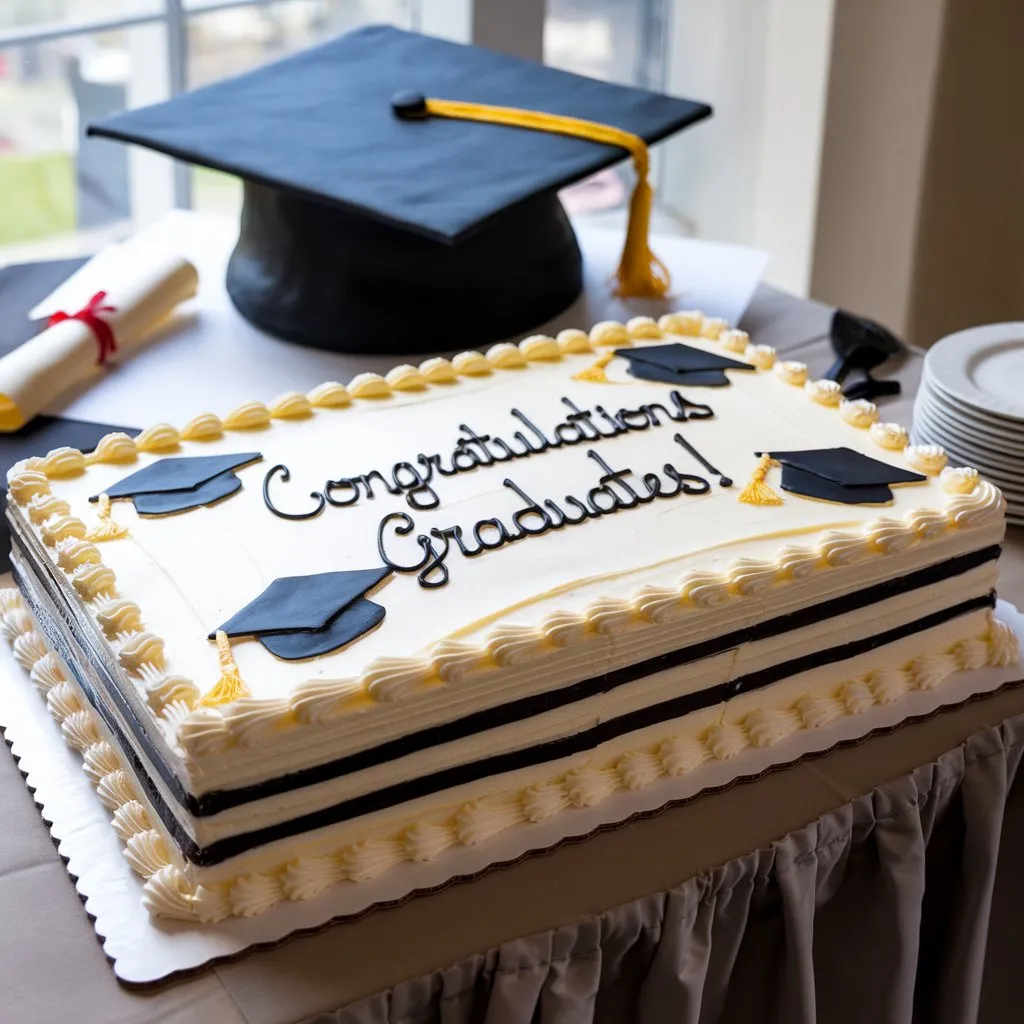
841	474
677	363
305	616
368	228
180	484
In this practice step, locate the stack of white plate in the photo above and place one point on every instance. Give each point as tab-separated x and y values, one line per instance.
971	402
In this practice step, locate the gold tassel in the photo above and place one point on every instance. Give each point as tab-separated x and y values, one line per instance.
595	373
230	686
757	492
106	528
640	274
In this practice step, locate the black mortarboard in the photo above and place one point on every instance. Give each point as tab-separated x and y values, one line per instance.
677	363
180	484
841	474
367	228
305	616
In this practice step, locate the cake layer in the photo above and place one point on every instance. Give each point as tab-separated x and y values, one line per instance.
692	678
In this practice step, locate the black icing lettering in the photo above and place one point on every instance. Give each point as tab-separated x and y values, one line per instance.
418	493
285	474
653	484
333	485
432	462
617	426
464	458
584	419
519	517
723	480
602	489
405	527
569	433
651	412
455	533
434	573
495	524
505	452
617	476
545	443
688	483
642	423
690	410
366	479
554	510
585	512
480	440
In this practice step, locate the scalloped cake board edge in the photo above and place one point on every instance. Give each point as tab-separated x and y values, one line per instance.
143	951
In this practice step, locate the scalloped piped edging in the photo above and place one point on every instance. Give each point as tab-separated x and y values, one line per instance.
202	732
168	892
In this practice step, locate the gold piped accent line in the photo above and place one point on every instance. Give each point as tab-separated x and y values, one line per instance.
105	528
757	492
595	372
230	686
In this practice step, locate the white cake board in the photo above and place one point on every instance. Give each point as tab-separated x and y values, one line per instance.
145	951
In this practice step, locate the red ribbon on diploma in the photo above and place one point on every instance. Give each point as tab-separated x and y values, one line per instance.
89	315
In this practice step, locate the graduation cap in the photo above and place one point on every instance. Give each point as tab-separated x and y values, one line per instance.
829	474
676	363
400	191
180	484
860	346
306	616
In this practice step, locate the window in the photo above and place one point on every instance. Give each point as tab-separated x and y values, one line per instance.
64	63
749	175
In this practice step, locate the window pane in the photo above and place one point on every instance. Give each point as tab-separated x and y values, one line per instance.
618	41
599	38
25	13
224	43
59	192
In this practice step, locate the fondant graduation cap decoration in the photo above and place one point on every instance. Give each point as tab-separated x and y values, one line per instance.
400	191
677	363
180	484
835	474
305	616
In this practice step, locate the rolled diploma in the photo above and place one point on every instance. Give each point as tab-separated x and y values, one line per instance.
67	353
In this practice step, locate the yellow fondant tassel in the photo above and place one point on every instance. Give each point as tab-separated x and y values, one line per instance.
595	373
757	492
640	274
230	686
106	528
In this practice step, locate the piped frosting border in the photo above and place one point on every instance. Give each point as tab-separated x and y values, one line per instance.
202	732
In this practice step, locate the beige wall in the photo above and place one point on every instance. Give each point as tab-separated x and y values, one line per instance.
921	203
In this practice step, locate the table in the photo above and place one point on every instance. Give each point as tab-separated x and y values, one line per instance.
52	967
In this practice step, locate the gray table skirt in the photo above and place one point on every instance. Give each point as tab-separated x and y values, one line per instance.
879	911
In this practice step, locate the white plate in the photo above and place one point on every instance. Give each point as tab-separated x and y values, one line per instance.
937	394
953	424
986	449
983	367
982	452
967	413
